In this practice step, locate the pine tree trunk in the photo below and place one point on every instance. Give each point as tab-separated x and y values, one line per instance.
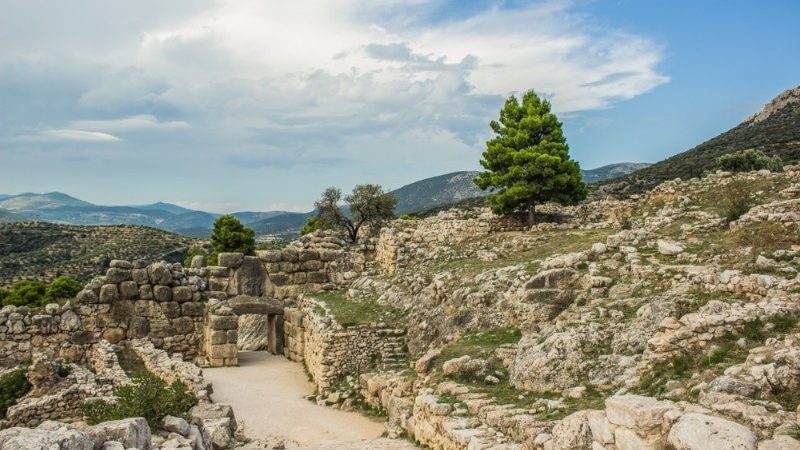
531	213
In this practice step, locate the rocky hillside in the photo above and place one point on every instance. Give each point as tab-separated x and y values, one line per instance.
436	191
775	130
44	250
571	334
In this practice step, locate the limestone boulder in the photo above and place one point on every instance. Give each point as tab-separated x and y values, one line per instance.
572	432
175	425
703	432
132	432
636	411
780	442
668	248
197	262
466	367
61	438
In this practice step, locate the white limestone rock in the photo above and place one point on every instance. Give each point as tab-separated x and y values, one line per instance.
132	432
668	248
703	432
636	411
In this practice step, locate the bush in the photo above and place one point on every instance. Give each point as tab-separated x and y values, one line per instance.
26	293
147	396
748	160
13	386
737	200
408	217
63	287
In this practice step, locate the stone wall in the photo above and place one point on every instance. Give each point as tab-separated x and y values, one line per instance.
332	352
161	302
167	303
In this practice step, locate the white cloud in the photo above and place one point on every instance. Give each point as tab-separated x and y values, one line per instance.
78	135
142	122
344	89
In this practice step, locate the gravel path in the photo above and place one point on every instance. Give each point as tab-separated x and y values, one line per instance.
267	394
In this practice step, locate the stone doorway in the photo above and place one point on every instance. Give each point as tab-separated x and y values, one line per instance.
223	322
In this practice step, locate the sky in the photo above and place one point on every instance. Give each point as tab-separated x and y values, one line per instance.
232	105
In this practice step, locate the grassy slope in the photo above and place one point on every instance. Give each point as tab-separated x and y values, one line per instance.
45	250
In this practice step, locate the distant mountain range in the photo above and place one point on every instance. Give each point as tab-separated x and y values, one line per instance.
57	207
775	130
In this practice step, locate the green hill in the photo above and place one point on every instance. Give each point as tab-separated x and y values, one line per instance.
45	250
775	130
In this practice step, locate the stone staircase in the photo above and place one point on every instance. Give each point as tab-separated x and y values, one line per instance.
394	354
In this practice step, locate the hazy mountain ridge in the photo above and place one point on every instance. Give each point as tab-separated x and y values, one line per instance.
611	171
7	216
423	195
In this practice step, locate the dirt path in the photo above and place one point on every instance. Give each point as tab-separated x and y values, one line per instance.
267	394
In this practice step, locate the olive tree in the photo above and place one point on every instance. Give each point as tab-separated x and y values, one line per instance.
367	204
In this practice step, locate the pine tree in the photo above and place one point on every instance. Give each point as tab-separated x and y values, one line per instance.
527	162
229	235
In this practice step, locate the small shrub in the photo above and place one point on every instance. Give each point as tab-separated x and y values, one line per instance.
754	331
61	288
147	396
783	323
26	293
748	160
737	200
408	217
625	223
13	386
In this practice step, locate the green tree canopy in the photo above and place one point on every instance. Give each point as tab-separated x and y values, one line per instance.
748	160
63	287
367	204
229	235
527	162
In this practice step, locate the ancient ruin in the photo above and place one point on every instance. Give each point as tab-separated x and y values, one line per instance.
463	330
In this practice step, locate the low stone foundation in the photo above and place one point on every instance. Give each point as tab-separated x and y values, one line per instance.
331	352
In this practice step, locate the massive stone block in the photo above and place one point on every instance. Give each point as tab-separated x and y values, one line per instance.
129	290
250	278
231	260
162	293
193	309
115	275
181	293
109	293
